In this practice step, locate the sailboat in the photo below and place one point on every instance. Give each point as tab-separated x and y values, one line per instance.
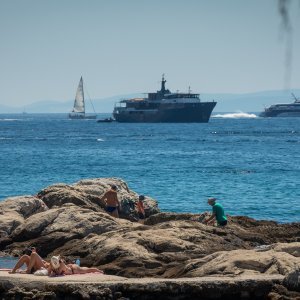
78	111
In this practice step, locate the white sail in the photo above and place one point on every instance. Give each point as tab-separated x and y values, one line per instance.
78	111
79	99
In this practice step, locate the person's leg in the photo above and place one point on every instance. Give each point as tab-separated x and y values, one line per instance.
115	213
23	260
85	270
92	270
35	263
141	218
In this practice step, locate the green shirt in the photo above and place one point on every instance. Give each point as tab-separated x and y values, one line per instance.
219	212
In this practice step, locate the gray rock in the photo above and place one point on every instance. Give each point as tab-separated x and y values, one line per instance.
292	280
14	211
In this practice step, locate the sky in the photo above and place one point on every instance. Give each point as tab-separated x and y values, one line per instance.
124	46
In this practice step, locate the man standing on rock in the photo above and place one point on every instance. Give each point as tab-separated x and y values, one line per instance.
111	201
217	213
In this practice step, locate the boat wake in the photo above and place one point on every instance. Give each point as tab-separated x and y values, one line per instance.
237	115
9	120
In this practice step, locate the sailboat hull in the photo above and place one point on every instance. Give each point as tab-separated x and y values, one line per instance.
82	116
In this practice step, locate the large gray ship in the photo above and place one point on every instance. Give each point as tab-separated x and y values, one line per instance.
164	106
283	110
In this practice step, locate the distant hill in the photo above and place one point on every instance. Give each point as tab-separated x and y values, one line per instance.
250	102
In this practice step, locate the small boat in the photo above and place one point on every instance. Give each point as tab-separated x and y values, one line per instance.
106	120
78	111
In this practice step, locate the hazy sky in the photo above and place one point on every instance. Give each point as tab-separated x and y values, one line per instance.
124	46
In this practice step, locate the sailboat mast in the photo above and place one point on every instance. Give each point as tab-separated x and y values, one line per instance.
82	94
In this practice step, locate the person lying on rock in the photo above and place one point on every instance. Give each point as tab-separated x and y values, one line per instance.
58	267
217	213
32	261
111	201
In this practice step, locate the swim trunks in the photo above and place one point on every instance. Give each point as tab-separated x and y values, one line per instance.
71	267
141	216
223	223
110	209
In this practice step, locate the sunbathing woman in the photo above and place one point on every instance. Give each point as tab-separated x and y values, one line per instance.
58	267
32	261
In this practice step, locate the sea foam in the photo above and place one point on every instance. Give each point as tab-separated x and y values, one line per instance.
236	115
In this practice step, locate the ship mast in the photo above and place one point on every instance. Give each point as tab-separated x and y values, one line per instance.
297	100
163	82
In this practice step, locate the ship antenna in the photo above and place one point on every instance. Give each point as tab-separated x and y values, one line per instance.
296	99
163	82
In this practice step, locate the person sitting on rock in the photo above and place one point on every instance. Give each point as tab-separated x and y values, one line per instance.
58	267
32	261
111	201
140	209
217	213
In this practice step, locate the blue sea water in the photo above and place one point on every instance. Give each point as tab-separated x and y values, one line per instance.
7	262
252	165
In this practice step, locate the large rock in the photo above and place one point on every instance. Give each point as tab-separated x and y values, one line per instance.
245	262
53	228
292	279
87	193
14	210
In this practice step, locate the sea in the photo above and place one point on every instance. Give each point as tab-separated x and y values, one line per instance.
250	164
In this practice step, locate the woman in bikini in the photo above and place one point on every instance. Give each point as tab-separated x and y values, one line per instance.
58	267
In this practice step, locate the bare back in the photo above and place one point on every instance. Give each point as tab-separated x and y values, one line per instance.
111	197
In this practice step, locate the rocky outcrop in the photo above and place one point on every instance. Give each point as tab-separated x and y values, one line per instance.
245	262
62	213
70	220
15	210
87	193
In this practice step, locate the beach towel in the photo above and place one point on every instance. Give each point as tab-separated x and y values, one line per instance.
41	272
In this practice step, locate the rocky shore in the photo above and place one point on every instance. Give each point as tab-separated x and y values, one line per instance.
171	256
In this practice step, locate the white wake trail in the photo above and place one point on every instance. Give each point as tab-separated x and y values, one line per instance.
236	115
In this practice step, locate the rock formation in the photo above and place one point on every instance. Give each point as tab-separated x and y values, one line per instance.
292	279
69	220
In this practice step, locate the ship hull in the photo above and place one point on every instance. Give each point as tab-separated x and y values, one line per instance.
181	113
283	114
82	117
